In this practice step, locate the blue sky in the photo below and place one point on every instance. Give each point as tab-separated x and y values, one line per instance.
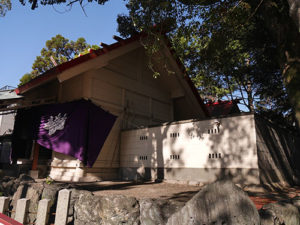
25	31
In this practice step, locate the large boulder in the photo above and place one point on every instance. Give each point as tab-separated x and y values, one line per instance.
218	203
106	210
157	211
25	178
119	209
74	197
296	201
279	213
34	194
9	185
86	210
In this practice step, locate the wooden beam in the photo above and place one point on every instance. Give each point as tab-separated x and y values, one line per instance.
119	39
104	46
35	156
26	103
97	62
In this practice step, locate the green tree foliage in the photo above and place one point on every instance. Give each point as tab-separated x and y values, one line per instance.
26	78
225	46
230	46
5	5
34	3
57	51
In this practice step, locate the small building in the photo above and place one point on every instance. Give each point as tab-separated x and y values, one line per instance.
7	119
103	116
116	79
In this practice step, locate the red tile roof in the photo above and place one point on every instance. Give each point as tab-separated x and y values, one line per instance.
222	108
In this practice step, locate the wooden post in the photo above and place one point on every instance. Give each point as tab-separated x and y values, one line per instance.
35	156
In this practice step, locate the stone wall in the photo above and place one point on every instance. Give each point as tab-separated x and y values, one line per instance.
218	203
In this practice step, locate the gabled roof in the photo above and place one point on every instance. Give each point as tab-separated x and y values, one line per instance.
54	72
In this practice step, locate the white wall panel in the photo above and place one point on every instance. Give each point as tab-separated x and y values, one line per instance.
200	144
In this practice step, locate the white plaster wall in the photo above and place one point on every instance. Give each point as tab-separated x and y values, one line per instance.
0	121
234	139
125	87
7	123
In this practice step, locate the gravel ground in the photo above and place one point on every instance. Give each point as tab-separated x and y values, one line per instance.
178	192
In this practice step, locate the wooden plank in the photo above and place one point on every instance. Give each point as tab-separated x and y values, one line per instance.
123	82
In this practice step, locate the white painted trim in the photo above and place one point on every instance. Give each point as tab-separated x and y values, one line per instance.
97	62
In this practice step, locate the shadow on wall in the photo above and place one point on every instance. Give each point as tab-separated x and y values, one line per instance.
202	151
212	149
160	160
278	153
231	148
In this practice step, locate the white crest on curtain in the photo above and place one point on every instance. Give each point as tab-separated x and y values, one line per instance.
55	123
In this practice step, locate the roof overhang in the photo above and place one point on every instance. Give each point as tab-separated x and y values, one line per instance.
71	68
92	60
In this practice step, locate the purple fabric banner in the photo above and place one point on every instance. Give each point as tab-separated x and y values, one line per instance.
78	128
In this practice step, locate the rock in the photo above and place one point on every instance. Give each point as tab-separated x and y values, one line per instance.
34	194
156	211
218	203
31	191
26	178
51	192
296	201
86	210
73	199
106	210
7	178
119	209
279	213
20	193
9	185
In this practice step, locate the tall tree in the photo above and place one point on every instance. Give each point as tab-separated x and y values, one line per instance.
273	16
5	5
58	50
35	3
224	44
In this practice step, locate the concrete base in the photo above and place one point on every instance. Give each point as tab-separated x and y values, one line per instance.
202	175
34	174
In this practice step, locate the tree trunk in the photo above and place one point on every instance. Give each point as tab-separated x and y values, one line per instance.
250	97
284	27
292	80
295	11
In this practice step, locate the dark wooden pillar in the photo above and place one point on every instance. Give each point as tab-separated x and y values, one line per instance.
35	156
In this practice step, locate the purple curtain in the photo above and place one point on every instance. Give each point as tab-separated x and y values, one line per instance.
78	129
